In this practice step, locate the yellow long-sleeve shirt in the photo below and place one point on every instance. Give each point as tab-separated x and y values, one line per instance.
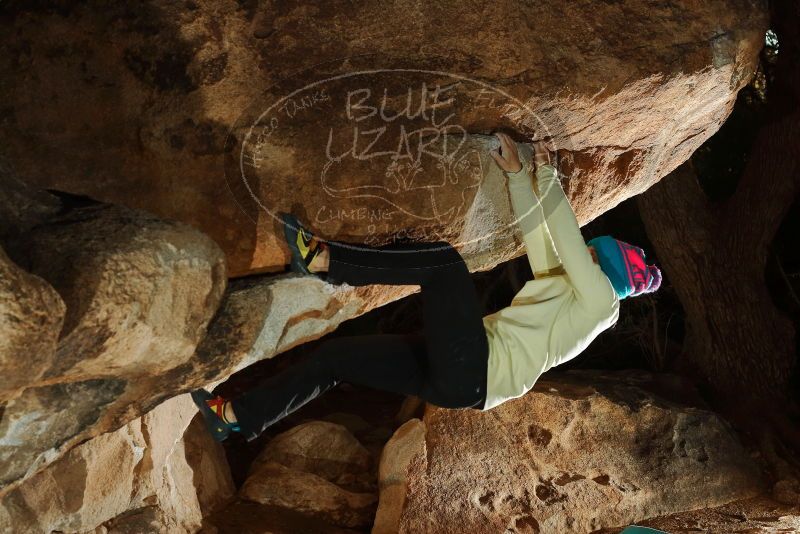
553	318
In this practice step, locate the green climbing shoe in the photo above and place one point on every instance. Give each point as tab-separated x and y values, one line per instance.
212	409
302	243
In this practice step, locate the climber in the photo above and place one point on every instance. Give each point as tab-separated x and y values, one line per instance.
461	359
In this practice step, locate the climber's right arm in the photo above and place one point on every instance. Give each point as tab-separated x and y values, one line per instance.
516	162
592	288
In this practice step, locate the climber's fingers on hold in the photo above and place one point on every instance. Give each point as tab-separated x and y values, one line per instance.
498	158
541	153
509	159
508	146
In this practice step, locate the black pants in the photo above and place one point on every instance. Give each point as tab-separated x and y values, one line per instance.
445	365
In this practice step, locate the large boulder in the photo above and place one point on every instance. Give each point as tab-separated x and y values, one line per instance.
111	311
31	311
273	484
31	315
326	449
138	289
318	469
584	450
171	106
406	445
162	468
138	292
262	316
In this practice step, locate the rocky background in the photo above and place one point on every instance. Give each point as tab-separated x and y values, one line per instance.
125	253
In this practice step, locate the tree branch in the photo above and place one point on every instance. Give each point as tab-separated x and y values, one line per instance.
771	178
767	189
677	207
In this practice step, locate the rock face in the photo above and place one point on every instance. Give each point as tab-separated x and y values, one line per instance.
245	517
135	294
168	110
31	314
21	205
262	316
276	485
138	289
318	469
407	445
106	310
31	311
583	451
162	468
326	449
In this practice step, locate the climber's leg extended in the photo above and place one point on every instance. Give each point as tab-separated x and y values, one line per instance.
389	362
446	365
396	263
393	264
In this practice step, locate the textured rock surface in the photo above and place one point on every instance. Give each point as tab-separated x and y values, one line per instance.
138	289
276	485
627	90
162	468
262	316
21	205
326	449
407	445
139	293
318	469
211	475
31	311
585	450
31	314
